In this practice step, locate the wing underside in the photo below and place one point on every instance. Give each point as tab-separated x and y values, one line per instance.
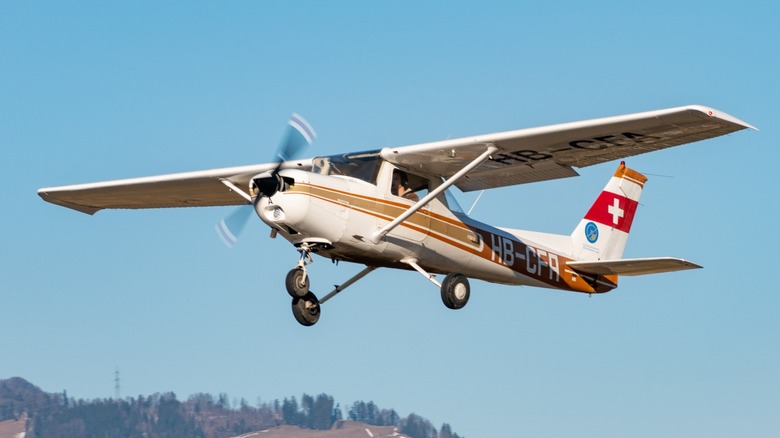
550	152
190	189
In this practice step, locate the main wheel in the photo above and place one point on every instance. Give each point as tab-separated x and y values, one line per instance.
297	283
455	291
306	310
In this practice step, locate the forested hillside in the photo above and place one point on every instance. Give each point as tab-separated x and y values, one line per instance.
201	415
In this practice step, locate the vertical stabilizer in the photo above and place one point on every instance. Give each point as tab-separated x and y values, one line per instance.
603	232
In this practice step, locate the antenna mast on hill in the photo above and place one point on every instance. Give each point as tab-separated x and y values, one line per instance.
116	384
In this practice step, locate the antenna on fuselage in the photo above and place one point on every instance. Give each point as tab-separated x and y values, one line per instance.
475	202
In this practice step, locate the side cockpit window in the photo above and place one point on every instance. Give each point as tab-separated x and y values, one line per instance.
408	185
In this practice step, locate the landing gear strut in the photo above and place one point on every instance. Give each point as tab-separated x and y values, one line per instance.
305	305
455	290
297	281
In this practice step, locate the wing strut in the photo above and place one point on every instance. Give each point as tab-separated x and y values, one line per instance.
348	283
380	234
235	188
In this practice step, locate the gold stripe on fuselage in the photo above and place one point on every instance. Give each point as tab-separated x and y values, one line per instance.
450	230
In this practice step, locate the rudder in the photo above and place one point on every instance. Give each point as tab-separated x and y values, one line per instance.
603	232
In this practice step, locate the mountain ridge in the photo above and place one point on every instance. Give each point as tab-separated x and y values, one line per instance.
55	415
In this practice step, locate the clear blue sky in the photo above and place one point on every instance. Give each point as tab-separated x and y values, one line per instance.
91	91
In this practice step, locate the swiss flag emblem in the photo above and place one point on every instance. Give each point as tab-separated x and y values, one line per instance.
613	210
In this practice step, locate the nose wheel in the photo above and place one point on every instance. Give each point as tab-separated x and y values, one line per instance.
297	282
305	305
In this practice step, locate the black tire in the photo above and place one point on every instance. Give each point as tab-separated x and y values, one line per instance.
306	310
455	291
295	287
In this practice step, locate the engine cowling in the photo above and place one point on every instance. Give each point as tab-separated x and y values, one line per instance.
267	184
304	205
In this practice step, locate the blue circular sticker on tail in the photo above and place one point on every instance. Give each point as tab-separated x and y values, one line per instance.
591	232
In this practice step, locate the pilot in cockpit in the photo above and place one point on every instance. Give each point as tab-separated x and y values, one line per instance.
400	186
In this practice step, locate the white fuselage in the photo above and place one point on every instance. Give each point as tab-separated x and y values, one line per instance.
344	212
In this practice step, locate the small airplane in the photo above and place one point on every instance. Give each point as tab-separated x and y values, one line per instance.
391	207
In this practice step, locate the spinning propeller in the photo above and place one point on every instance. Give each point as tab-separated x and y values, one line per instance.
299	135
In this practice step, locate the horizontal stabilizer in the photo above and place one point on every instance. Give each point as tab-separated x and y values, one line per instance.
633	266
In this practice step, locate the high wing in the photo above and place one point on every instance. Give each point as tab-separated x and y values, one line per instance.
191	189
550	152
523	156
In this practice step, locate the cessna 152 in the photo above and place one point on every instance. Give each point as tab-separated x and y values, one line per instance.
391	208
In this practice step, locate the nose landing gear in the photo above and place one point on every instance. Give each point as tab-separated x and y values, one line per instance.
305	305
297	282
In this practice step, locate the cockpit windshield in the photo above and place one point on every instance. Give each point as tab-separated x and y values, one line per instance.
363	166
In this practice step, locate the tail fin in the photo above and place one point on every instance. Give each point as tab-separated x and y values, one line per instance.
603	232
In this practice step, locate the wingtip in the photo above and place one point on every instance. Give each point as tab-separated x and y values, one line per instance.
712	112
46	196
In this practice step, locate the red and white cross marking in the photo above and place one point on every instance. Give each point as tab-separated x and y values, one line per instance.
615	211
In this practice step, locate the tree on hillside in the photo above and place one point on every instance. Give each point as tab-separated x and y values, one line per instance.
307	406
446	432
223	401
337	415
418	427
18	395
315	413
171	421
290	413
321	415
369	413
